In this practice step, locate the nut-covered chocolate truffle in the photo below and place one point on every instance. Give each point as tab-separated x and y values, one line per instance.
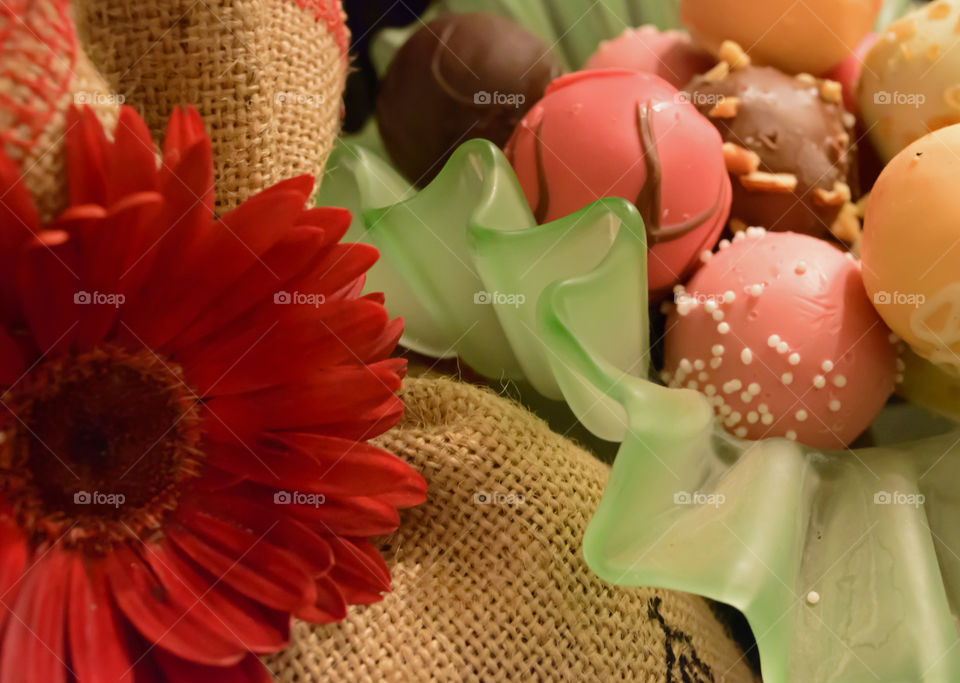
787	144
459	77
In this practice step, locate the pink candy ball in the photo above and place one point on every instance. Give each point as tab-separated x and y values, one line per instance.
847	72
615	133
777	330
670	55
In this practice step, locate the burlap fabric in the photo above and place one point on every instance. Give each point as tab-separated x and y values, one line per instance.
43	70
267	76
489	583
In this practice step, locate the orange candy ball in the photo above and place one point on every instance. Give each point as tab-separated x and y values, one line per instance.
811	36
911	246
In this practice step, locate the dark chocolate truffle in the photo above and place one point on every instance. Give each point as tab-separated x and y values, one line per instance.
459	77
788	148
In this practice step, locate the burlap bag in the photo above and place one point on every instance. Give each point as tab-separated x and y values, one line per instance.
488	588
267	76
43	70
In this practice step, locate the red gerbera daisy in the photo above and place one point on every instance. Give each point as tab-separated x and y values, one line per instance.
186	401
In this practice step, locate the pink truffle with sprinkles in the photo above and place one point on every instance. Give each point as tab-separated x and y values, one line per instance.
777	331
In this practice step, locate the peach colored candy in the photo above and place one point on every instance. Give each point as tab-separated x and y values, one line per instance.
777	330
911	246
805	36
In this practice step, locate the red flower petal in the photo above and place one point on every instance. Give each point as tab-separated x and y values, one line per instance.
247	358
85	144
35	631
329	606
360	571
333	221
174	627
273	524
322	464
259	283
47	282
249	670
132	160
235	618
211	265
246	562
346	397
13	559
18	224
95	630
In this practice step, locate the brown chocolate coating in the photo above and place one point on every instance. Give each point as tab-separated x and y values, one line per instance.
794	129
461	76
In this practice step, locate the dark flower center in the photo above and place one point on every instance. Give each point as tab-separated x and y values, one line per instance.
97	446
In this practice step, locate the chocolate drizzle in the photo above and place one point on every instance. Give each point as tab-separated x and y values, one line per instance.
543	189
649	197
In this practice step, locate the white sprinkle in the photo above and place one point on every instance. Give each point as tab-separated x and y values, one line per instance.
706	256
710	306
678	289
787	378
723	328
740	431
801	415
756	232
763	408
725	409
801	268
826	365
692	384
835	405
752	417
901	366
849	256
717	350
724	244
792	435
715	362
893	338
746	356
683	308
746	396
813	597
794	359
898	379
783	347
729	297
755	290
734	418
703	377
819	381
709	390
665	376
840	381
767	419
773	340
685	365
753	388
732	386
739	237
718	315
698	364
